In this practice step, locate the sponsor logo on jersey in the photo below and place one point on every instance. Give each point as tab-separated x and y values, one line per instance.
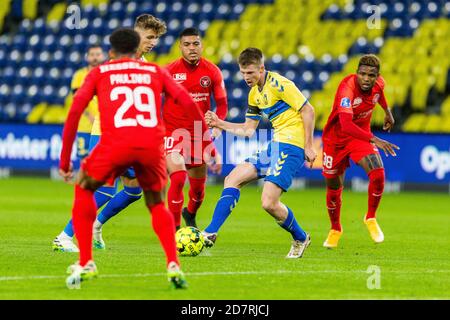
375	98
180	77
345	103
357	102
205	82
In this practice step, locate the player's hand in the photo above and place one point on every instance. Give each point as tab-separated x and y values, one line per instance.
386	146
216	132
211	119
214	163
310	156
388	122
67	175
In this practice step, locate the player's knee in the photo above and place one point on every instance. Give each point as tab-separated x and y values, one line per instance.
178	179
268	203
231	181
377	178
88	183
130	182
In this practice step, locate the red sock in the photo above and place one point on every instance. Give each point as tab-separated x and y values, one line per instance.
162	222
334	202
83	216
175	196
196	194
376	188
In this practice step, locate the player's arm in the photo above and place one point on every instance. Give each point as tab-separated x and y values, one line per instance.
80	102
220	96
289	93
308	116
350	128
246	129
76	83
389	118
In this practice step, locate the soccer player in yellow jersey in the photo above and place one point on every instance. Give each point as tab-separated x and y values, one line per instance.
150	30
94	57
292	118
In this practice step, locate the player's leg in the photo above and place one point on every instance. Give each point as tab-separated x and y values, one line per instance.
335	162
64	241
177	172
285	161
164	227
335	186
197	183
151	172
238	177
83	215
130	193
284	216
373	165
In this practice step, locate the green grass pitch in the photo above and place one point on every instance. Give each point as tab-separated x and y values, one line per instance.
248	261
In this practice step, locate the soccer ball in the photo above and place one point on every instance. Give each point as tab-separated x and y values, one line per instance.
190	241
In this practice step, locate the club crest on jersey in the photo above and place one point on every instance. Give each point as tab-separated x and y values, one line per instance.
375	98
205	82
345	103
357	102
180	77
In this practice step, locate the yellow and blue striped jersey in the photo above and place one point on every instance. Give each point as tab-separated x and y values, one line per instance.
280	100
85	124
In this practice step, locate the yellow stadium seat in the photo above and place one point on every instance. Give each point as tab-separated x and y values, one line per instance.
35	116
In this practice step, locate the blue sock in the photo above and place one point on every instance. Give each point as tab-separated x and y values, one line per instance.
119	202
69	229
291	225
226	203
102	196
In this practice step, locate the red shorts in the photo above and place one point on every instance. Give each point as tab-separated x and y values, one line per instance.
191	150
106	163
336	159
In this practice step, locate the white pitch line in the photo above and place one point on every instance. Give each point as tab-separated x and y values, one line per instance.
224	273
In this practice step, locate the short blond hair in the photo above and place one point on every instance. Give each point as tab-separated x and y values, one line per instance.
147	21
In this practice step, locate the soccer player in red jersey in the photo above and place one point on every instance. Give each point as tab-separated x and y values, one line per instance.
128	94
347	135
185	145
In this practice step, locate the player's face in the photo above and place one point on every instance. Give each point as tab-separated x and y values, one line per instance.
191	48
95	56
367	76
252	74
149	39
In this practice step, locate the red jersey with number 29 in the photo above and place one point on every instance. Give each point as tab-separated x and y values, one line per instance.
129	98
351	99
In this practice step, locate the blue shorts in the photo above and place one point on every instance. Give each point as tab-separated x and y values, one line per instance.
83	144
278	163
129	173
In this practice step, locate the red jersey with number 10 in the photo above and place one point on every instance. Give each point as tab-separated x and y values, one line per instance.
201	81
351	99
129	98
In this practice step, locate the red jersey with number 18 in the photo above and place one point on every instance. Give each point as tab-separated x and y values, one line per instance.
351	99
